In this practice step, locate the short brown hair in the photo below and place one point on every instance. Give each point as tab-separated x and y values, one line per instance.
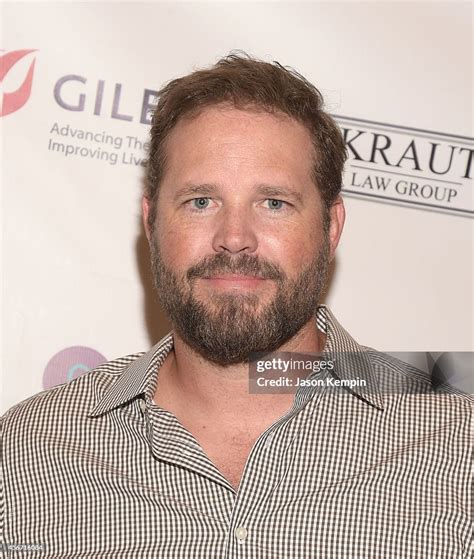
244	82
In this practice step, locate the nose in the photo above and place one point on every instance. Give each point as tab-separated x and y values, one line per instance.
235	232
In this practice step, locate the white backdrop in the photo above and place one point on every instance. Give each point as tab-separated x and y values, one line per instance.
76	287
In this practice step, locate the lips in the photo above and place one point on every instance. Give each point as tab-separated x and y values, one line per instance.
234	281
234	277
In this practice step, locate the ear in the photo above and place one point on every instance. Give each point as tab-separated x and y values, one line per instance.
145	212
337	214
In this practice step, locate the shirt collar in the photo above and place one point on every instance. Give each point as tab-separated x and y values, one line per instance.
352	362
141	375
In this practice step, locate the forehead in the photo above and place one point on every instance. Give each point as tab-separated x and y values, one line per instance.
225	139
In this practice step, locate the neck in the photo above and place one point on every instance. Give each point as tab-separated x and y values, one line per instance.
196	389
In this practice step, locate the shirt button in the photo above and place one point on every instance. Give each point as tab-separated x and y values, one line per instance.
241	533
142	405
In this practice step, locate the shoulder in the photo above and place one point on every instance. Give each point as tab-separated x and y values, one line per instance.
73	398
395	376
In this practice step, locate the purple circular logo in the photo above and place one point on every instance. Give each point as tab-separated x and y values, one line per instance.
70	363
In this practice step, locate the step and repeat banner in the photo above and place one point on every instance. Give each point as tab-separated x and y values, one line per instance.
78	86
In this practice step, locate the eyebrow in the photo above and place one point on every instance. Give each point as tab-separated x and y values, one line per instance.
271	191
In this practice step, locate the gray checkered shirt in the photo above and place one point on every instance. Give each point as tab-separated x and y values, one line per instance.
94	468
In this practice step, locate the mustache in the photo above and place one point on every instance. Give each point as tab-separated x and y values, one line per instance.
244	264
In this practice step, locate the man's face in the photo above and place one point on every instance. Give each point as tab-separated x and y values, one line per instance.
239	252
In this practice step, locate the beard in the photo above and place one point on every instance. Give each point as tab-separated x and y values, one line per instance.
230	327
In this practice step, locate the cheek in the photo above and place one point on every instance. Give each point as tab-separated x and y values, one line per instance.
293	248
182	245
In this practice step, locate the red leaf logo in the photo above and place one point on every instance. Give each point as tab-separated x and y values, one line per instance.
14	100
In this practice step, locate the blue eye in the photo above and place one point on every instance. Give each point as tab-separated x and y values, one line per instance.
200	203
275	204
